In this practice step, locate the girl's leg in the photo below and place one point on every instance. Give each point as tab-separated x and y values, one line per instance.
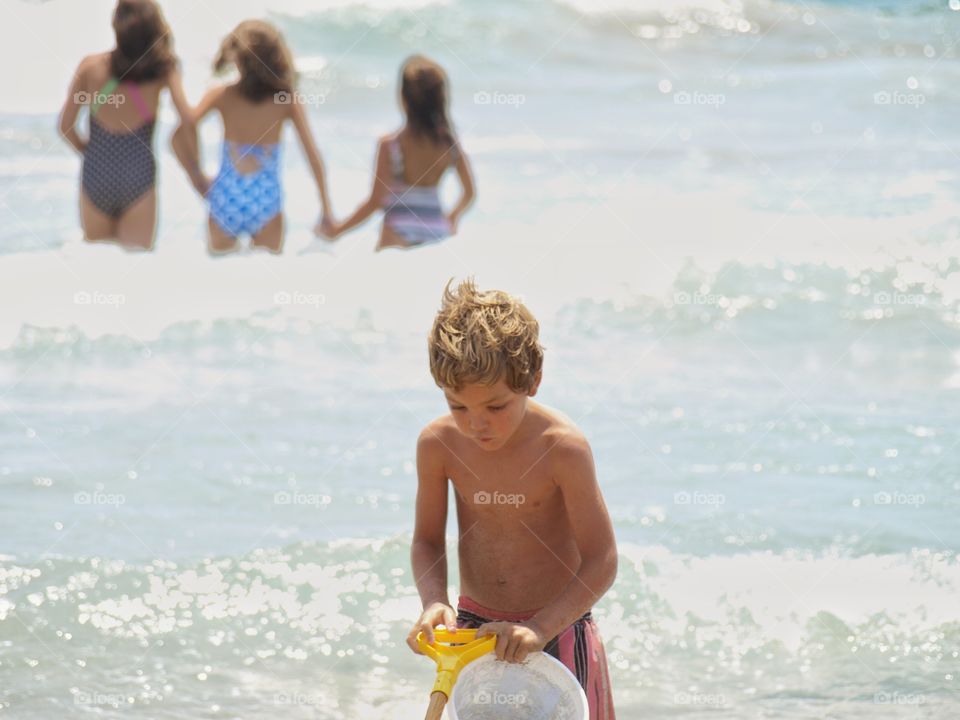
271	236
96	225
220	241
389	238
138	225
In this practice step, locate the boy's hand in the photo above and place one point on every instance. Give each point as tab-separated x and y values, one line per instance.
514	640
433	615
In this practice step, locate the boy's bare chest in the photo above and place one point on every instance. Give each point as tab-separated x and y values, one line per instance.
520	480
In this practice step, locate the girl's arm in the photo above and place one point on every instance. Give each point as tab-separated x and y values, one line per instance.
300	122
184	140
379	191
76	96
465	173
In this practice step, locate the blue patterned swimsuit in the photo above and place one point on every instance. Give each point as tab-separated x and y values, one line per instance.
243	203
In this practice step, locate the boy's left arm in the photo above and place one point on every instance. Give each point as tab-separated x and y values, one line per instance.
593	533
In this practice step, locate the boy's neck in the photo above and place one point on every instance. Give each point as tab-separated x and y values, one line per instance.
519	435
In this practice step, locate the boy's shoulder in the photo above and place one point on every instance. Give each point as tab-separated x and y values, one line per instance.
560	432
437	433
549	431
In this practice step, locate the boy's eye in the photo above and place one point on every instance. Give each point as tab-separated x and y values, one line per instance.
497	408
457	408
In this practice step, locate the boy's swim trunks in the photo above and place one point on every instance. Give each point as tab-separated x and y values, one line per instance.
579	647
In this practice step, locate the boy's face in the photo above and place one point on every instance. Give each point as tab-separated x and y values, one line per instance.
488	414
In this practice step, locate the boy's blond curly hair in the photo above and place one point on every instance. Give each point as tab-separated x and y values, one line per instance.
481	336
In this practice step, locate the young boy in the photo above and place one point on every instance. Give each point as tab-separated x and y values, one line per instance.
536	545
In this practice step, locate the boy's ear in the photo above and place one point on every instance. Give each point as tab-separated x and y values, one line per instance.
536	383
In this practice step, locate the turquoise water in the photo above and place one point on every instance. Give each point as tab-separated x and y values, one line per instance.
737	223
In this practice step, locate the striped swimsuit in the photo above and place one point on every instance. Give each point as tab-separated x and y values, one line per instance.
413	212
118	168
579	648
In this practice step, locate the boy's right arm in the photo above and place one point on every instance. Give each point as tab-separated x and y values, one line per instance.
428	552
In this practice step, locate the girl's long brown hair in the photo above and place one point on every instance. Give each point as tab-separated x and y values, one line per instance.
144	48
423	87
262	58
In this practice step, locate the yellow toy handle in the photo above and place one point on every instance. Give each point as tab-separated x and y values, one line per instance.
452	651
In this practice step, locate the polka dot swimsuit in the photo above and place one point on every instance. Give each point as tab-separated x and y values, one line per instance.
118	168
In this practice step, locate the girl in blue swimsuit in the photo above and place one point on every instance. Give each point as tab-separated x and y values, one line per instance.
122	90
246	196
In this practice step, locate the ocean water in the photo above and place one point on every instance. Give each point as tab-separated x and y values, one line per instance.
738	225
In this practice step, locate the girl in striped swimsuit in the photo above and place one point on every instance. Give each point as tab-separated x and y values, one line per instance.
118	199
410	165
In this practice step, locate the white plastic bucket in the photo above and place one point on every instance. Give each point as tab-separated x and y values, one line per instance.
541	688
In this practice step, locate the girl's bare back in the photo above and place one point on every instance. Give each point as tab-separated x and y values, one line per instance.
115	110
252	123
424	161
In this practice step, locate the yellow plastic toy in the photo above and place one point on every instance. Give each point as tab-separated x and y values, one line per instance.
452	651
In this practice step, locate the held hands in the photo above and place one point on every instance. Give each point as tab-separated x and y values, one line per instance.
515	640
201	183
433	615
326	228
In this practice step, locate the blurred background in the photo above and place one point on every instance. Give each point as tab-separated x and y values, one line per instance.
738	225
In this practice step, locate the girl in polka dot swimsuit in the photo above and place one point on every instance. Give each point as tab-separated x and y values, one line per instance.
121	88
